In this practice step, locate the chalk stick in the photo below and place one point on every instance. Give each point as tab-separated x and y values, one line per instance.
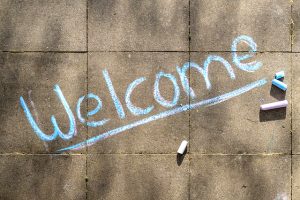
279	75
182	147
279	84
278	104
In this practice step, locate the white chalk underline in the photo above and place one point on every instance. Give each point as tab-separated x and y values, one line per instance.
206	103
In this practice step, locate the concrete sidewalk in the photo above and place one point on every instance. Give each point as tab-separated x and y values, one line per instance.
235	151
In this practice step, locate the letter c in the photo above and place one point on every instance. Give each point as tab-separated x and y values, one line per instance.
134	109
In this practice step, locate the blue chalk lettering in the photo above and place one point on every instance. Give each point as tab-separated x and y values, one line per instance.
113	94
92	112
157	95
57	131
251	66
98	107
238	60
134	109
221	60
203	71
203	103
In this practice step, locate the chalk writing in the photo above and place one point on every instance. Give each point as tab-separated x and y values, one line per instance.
249	67
90	113
113	94
208	102
172	104
133	109
202	71
157	95
57	131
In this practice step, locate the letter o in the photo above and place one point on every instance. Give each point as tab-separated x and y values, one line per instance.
157	96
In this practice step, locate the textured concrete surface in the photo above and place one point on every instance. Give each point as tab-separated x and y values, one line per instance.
162	136
240	177
33	76
296	177
217	129
296	26
55	25
125	25
235	151
42	177
137	177
215	23
296	106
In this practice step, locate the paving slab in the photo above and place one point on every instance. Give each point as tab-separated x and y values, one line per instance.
215	23
295	103
296	25
137	177
163	135
296	177
237	126
42	177
33	76
240	177
54	25
127	25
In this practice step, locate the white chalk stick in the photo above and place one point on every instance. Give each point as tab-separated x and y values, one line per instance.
278	104
182	147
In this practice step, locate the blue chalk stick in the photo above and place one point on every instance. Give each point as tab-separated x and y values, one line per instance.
279	84
279	75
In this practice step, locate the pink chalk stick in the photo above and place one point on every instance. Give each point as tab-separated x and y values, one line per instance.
278	104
